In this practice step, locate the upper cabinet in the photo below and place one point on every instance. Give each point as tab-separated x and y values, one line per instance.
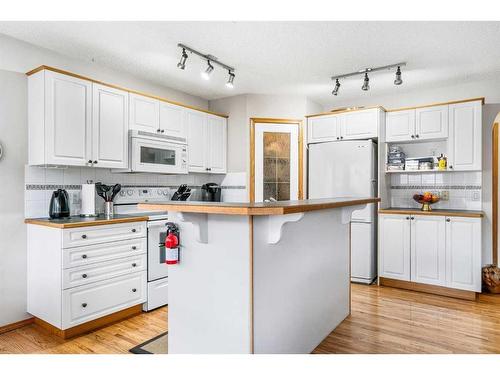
431	122
400	126
172	120
109	127
207	142
362	124
464	142
144	113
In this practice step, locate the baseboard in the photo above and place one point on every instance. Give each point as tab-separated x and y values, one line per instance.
432	289
16	325
92	325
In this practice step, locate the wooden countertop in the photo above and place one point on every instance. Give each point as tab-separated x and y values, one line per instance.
434	212
257	209
77	221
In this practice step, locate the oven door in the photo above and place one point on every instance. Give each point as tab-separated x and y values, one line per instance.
157	268
156	156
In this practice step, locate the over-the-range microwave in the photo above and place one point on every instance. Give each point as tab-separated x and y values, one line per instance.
156	153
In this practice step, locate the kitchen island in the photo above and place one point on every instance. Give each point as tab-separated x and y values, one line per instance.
259	277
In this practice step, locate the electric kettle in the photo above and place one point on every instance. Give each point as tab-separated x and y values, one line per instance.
59	204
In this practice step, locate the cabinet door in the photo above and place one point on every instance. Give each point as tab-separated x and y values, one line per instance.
197	141
144	113
323	128
463	253
464	142
428	250
431	122
172	120
68	105
217	142
394	247
360	125
109	127
400	126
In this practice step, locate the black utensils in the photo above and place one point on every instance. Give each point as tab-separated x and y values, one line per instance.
59	204
182	189
108	193
115	190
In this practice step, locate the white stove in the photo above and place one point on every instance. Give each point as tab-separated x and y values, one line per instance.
126	203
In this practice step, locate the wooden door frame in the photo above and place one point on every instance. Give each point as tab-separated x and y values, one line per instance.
494	188
277	121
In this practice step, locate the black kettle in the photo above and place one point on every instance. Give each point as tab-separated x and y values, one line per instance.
59	204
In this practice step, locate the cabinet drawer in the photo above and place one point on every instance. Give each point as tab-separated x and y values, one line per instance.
93	301
85	255
104	233
102	271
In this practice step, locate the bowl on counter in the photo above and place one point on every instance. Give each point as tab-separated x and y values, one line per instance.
426	199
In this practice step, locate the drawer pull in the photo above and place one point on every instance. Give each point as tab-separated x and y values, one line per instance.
84	275
134	290
134	247
84	305
84	236
407	218
134	230
134	264
84	256
448	220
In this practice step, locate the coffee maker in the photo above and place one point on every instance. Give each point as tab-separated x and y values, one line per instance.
210	192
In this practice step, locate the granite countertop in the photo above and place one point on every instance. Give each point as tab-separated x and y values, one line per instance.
434	212
78	221
261	208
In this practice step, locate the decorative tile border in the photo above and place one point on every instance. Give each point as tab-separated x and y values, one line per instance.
79	187
52	187
437	187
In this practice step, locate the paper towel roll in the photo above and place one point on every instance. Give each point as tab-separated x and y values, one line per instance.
88	200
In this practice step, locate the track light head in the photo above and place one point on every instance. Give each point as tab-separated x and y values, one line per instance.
337	87
366	83
182	62
398	79
208	71
230	80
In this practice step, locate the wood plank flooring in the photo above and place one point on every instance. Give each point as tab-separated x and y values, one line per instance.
383	320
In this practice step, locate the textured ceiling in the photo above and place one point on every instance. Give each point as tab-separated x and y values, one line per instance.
295	58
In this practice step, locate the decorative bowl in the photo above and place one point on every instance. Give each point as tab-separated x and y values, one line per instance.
426	200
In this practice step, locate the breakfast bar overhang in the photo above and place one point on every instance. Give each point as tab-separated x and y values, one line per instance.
259	277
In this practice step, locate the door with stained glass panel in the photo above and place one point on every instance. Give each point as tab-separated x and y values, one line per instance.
276	162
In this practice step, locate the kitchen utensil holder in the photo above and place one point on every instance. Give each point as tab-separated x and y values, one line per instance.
108	209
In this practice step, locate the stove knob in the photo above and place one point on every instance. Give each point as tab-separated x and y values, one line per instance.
122	193
158	192
165	192
130	192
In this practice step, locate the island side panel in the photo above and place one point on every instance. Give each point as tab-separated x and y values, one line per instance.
210	289
302	283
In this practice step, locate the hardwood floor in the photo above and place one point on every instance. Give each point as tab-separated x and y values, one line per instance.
383	320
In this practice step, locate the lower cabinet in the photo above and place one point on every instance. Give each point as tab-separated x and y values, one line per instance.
435	250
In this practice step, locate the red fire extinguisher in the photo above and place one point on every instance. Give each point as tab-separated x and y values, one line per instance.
172	244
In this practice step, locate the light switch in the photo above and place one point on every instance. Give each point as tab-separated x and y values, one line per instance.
445	195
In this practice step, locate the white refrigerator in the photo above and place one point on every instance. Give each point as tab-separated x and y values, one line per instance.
349	169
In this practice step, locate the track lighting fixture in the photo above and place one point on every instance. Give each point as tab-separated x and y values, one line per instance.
208	71
337	87
229	83
398	79
182	62
210	60
366	82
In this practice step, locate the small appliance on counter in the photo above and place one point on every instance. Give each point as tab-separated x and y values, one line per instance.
210	192
108	193
59	204
88	200
182	193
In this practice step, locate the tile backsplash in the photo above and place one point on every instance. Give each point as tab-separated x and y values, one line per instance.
41	182
464	189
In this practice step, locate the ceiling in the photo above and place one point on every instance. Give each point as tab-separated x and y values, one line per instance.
294	58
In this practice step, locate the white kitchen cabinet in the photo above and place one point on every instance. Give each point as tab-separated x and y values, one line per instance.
109	127
428	249
431	122
464	142
172	120
463	253
394	247
217	144
60	118
323	128
144	113
360	124
400	126
197	141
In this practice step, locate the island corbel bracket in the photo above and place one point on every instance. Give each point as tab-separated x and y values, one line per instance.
200	224
275	225
347	212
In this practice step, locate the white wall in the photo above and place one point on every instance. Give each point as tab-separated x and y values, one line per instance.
19	56
14	139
